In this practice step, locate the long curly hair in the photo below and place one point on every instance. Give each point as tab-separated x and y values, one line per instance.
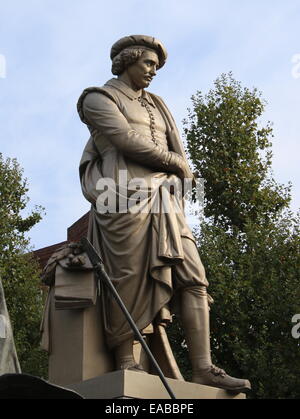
126	58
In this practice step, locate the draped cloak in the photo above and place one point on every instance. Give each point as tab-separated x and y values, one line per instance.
138	248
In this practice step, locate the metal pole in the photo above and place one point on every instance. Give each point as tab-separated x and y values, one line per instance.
102	275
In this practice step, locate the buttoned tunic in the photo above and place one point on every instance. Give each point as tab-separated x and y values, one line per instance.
147	254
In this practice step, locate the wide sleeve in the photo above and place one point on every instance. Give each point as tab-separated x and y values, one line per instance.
102	114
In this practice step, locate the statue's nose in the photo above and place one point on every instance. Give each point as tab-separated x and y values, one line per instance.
153	71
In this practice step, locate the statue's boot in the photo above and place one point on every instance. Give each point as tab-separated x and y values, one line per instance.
195	319
124	358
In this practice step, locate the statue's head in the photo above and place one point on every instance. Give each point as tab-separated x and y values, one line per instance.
133	53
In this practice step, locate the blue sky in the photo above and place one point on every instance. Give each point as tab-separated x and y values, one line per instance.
53	49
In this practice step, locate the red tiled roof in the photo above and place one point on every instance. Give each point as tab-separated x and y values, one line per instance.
74	233
78	229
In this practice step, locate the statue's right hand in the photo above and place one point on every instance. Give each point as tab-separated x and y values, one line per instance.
178	165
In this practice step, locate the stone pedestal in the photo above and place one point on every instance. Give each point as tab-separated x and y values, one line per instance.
78	351
129	384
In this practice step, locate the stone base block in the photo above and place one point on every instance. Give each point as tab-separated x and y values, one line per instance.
129	384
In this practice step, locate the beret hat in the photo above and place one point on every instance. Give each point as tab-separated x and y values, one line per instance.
140	41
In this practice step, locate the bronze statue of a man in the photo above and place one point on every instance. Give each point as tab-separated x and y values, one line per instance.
151	256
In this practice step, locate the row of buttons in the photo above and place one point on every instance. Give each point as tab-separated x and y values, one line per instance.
144	103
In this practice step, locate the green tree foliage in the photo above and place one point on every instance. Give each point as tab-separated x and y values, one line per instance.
254	279
249	242
233	154
18	270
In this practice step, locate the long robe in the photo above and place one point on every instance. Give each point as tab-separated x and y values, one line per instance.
139	248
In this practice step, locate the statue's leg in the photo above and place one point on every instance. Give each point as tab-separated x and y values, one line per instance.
124	358
195	320
191	282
